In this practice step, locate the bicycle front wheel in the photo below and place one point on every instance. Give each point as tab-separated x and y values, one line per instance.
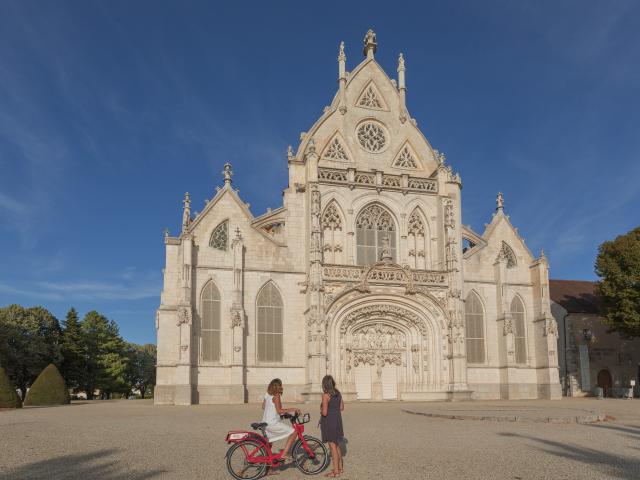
314	461
238	460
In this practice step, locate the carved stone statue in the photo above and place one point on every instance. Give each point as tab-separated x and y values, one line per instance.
227	173
500	202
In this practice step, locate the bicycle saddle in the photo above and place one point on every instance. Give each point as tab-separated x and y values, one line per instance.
257	426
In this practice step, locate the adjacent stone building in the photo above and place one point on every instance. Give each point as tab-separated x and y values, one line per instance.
590	355
366	272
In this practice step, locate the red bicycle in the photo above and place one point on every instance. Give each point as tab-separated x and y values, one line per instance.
250	453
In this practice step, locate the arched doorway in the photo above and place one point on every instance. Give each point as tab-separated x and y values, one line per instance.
387	348
605	381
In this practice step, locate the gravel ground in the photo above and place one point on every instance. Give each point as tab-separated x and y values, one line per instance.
135	440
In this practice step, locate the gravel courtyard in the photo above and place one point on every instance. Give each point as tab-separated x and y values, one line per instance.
135	440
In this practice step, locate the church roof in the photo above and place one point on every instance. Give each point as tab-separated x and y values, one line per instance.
576	296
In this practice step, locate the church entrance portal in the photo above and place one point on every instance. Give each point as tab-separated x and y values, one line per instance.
385	352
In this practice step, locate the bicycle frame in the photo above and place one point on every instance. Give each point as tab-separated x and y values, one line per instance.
271	459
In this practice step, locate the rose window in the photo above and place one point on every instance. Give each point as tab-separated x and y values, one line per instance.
371	137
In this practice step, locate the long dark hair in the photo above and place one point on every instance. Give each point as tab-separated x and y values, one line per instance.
329	386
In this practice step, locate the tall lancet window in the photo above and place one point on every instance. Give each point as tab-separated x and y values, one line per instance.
417	240
210	323
269	328
474	319
332	234
517	314
373	225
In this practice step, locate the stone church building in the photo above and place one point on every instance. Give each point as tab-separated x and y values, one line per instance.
366	272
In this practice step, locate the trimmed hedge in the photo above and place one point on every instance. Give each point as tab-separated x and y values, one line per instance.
8	396
48	389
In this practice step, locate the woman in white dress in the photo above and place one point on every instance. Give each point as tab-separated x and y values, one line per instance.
278	429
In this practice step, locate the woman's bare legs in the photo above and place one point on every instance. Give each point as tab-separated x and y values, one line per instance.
335	460
339	452
286	452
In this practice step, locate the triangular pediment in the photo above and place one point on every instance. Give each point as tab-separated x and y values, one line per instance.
336	150
406	158
371	98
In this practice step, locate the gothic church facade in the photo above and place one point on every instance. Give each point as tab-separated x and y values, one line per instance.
366	272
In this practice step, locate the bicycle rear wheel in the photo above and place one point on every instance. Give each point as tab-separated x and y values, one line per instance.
314	463
238	461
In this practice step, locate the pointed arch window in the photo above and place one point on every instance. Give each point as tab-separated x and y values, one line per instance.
474	319
269	324
335	151
210	330
332	233
518	318
417	240
220	237
373	225
507	254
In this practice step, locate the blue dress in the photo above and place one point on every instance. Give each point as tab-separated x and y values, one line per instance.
331	425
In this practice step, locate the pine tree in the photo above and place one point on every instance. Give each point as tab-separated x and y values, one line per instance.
72	367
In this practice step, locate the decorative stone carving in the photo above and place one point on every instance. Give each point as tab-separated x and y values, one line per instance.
370	99
415	358
220	236
405	159
508	325
184	316
236	318
383	310
378	336
186	212
550	327
331	218
391	181
353	273
227	173
423	184
335	151
415	224
506	254
364	179
332	175
372	137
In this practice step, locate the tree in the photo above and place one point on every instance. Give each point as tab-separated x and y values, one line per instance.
48	389
141	371
618	265
104	351
29	341
8	396
73	363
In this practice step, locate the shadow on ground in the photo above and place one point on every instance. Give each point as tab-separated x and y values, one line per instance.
99	465
629	430
611	464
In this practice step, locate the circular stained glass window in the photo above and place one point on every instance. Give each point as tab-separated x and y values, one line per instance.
372	137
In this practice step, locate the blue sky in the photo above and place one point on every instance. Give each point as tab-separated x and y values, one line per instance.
110	111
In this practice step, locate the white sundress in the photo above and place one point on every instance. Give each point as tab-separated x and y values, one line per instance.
276	429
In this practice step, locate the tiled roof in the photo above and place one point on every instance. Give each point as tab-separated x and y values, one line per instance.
576	296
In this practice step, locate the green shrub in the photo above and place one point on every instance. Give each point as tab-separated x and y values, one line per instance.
48	389
8	396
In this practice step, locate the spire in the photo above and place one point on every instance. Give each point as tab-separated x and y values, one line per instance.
227	174
186	212
500	202
402	89
370	44
342	78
